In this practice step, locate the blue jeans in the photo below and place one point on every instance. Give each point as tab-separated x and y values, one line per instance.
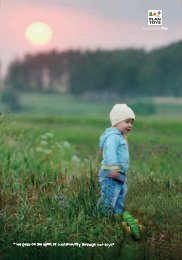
113	194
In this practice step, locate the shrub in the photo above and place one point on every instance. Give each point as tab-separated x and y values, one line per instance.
11	98
143	107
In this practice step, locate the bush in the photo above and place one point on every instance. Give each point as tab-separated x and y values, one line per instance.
143	107
11	98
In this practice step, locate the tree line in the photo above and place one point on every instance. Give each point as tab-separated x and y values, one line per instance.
129	72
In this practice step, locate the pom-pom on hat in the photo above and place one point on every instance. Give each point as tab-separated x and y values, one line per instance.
121	112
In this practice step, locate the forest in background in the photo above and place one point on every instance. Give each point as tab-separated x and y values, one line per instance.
129	72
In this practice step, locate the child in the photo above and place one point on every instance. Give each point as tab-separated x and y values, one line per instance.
114	166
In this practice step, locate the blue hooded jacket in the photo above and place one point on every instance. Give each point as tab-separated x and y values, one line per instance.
114	149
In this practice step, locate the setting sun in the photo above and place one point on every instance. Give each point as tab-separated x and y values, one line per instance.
38	33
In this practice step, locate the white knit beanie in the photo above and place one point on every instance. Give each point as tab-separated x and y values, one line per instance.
121	112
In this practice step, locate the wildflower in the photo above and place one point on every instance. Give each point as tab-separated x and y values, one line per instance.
39	149
47	151
75	158
66	144
43	137
43	142
50	135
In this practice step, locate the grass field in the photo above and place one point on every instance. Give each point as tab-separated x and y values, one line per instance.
67	105
49	186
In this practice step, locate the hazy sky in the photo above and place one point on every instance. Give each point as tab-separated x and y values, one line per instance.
87	24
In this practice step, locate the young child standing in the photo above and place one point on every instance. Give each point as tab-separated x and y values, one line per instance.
114	166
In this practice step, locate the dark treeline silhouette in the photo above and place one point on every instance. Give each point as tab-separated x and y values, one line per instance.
129	72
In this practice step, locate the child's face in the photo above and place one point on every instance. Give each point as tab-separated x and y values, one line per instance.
125	126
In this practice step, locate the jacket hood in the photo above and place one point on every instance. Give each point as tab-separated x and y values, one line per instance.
106	133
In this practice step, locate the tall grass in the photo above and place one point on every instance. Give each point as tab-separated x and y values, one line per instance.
49	191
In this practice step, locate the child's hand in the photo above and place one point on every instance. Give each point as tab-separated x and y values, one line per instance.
114	174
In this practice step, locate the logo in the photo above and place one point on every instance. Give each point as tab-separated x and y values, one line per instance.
154	17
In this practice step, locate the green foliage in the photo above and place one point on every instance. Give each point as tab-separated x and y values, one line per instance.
143	107
11	98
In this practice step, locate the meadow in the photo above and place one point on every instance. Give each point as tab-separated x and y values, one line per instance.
49	187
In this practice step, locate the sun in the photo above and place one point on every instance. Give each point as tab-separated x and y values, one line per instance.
38	33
